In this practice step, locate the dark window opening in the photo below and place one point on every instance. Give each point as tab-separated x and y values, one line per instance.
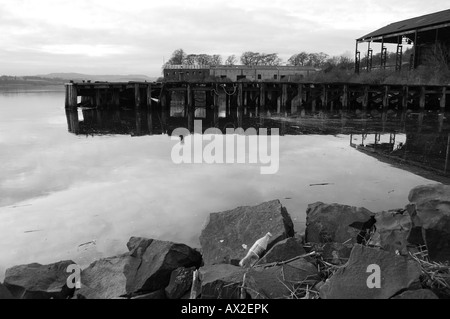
223	76
259	77
275	76
240	77
283	77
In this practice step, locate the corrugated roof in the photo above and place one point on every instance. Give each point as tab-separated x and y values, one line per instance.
411	24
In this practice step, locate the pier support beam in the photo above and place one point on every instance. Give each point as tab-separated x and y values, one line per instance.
365	100
284	98
262	98
385	97
71	96
422	97
443	101
240	101
345	97
149	110
137	95
190	108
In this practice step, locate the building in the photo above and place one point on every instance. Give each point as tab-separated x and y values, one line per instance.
237	72
428	33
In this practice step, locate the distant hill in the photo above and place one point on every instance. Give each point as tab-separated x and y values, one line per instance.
107	78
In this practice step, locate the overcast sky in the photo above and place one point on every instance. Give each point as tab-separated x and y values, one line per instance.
134	36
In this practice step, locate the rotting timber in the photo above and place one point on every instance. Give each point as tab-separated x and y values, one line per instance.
240	99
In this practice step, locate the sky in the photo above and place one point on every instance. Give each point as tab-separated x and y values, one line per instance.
136	37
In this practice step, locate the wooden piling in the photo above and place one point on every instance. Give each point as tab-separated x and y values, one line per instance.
405	98
262	98
422	97
284	98
190	108
240	101
443	99
345	97
365	100
137	95
71	96
324	98
385	97
149	110
216	105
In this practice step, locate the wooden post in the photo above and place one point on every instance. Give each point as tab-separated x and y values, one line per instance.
448	153
240	102
345	97
216	105
284	98
405	97
190	108
386	97
71	96
137	95
422	97
443	99
149	110
324	98
98	98
262	98
163	103
365	101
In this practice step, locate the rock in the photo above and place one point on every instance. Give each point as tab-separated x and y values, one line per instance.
229	235
154	262
416	294
180	282
392	231
336	223
36	281
280	282
4	293
430	211
221	281
350	282
283	251
159	294
104	279
336	253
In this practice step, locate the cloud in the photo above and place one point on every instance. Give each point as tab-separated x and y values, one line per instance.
135	38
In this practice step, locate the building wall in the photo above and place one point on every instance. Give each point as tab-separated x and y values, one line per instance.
236	73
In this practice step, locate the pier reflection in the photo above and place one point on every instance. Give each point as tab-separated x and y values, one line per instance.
419	139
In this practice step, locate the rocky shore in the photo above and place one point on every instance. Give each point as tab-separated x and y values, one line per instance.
346	252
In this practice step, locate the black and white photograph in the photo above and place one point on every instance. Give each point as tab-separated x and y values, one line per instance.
222	155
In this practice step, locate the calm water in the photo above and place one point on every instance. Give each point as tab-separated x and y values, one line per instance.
59	190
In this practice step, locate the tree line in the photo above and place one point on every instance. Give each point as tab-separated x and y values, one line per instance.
250	58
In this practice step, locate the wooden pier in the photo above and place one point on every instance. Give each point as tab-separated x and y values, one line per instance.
239	99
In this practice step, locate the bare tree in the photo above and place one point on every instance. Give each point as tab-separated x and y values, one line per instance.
299	59
231	60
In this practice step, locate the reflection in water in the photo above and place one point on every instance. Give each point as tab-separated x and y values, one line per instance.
77	189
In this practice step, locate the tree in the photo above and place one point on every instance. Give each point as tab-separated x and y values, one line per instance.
299	59
256	58
178	57
216	59
190	59
231	60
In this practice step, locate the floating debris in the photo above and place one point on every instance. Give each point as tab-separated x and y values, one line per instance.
32	231
321	184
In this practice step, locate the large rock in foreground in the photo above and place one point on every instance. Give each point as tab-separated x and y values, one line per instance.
283	251
154	261
104	279
36	281
4	293
417	294
350	282
430	212
180	282
281	282
229	235
221	281
336	223
392	231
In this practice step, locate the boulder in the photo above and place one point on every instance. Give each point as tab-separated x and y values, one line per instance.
430	212
229	235
392	231
153	261
281	282
283	251
336	223
336	253
417	294
397	273
104	279
221	281
180	282
4	293
36	281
